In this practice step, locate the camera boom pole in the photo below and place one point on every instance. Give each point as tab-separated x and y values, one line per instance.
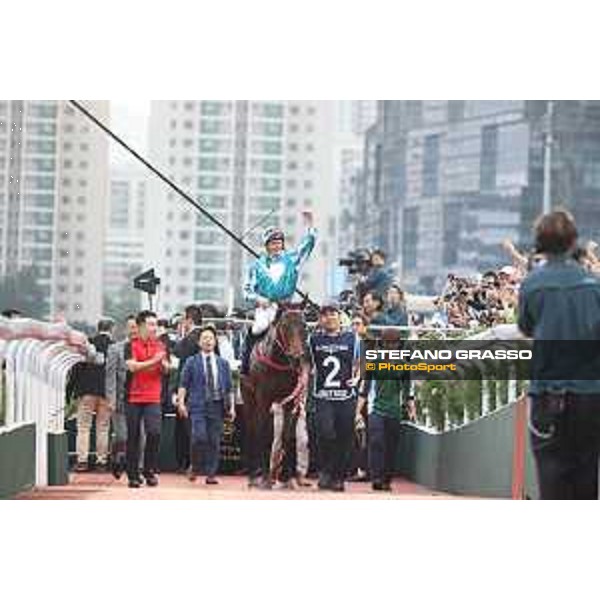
173	186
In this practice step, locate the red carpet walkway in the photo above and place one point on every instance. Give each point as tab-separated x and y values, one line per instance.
96	486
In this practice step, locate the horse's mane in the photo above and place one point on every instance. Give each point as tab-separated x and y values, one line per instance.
290	307
266	344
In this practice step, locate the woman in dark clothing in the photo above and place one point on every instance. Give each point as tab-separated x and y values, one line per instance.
395	313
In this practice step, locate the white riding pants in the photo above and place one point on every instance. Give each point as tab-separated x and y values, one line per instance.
263	317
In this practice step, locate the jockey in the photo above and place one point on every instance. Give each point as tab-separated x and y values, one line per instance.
273	276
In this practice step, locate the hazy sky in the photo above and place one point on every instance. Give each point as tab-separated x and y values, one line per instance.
129	120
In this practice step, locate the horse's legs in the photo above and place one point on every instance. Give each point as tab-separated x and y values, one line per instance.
264	440
251	435
289	443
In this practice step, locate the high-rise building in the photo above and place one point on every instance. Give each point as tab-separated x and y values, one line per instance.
353	119
371	226
250	164
124	246
53	198
310	185
446	181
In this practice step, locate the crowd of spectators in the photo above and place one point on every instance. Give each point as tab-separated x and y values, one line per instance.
492	298
487	300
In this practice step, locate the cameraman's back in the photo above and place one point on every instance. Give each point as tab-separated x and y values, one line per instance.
559	305
560	301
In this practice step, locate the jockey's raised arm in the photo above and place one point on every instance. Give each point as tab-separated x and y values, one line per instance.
305	247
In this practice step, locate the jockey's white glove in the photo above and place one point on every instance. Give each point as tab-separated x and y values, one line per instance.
262	302
308	218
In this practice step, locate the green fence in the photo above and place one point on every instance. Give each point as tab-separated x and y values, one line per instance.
2	397
475	459
17	459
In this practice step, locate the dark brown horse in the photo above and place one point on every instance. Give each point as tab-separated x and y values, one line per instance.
278	372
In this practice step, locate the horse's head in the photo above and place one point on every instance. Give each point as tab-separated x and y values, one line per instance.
290	331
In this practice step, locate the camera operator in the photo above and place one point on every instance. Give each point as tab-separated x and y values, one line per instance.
358	264
561	301
379	278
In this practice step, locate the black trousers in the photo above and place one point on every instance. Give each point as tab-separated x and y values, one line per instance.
384	433
182	442
313	441
335	425
565	439
151	415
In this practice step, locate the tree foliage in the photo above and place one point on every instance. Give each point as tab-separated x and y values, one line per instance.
23	291
125	302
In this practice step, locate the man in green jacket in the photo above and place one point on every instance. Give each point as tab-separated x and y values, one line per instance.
385	401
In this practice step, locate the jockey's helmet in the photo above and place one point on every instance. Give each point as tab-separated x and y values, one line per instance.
271	234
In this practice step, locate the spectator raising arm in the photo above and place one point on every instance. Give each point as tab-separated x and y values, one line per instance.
518	259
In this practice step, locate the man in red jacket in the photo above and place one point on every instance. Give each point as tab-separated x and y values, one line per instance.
146	361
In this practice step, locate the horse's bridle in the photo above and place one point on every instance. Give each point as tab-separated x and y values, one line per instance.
284	348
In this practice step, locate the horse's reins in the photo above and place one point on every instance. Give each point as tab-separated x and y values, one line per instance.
264	358
284	349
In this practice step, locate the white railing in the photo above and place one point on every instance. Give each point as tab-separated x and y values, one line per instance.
504	332
38	357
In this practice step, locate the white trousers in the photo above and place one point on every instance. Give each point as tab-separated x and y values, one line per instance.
302	457
263	317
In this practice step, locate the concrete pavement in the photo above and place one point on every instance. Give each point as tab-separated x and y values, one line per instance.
102	486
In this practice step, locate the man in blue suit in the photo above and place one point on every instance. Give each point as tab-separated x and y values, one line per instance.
206	395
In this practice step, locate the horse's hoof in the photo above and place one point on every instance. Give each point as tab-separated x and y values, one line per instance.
285	485
253	482
265	485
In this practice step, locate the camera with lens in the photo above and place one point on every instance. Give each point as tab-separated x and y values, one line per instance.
358	262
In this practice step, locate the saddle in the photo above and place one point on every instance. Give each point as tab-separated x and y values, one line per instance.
284	307
252	340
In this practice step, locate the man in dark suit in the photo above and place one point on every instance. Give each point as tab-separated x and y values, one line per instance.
205	395
187	346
